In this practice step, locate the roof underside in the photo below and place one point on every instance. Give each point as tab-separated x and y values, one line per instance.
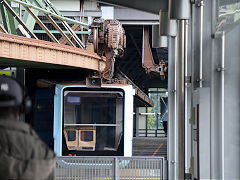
131	63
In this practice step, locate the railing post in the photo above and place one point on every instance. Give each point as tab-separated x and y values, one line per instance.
164	169
137	121
116	169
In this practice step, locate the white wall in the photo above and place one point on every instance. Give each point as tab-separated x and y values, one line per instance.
70	5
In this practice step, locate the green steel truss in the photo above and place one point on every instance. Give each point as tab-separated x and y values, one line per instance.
14	20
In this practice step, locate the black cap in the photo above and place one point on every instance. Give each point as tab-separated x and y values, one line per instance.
11	92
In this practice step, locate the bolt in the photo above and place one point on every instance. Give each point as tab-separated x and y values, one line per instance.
200	3
220	69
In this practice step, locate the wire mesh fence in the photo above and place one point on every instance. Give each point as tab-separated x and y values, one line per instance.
109	168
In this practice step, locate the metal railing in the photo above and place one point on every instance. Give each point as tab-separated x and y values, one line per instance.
109	168
149	133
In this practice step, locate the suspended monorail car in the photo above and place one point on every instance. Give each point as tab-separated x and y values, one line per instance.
93	121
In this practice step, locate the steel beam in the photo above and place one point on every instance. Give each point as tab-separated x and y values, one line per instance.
126	64
50	13
28	19
9	8
135	44
3	14
8	20
152	6
140	78
72	33
3	29
138	91
60	30
53	7
42	26
75	27
57	32
19	51
74	36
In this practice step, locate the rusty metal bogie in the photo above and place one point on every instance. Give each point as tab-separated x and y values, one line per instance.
109	40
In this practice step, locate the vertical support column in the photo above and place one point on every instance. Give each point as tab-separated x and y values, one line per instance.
180	101
137	121
157	40
188	133
201	46
222	103
179	10
146	125
115	169
172	148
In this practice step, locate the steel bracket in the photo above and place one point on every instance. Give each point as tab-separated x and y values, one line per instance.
220	69
200	3
188	79
93	81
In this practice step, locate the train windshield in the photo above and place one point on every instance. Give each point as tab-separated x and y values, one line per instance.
93	120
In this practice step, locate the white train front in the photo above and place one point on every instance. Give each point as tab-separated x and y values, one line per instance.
93	121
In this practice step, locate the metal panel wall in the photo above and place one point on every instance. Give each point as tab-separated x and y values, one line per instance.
232	104
220	70
201	134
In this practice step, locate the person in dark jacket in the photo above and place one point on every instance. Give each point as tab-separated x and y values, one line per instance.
23	156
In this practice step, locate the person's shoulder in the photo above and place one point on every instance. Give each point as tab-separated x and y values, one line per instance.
14	125
24	142
39	148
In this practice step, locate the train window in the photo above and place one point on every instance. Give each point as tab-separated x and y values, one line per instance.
95	120
87	136
71	136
